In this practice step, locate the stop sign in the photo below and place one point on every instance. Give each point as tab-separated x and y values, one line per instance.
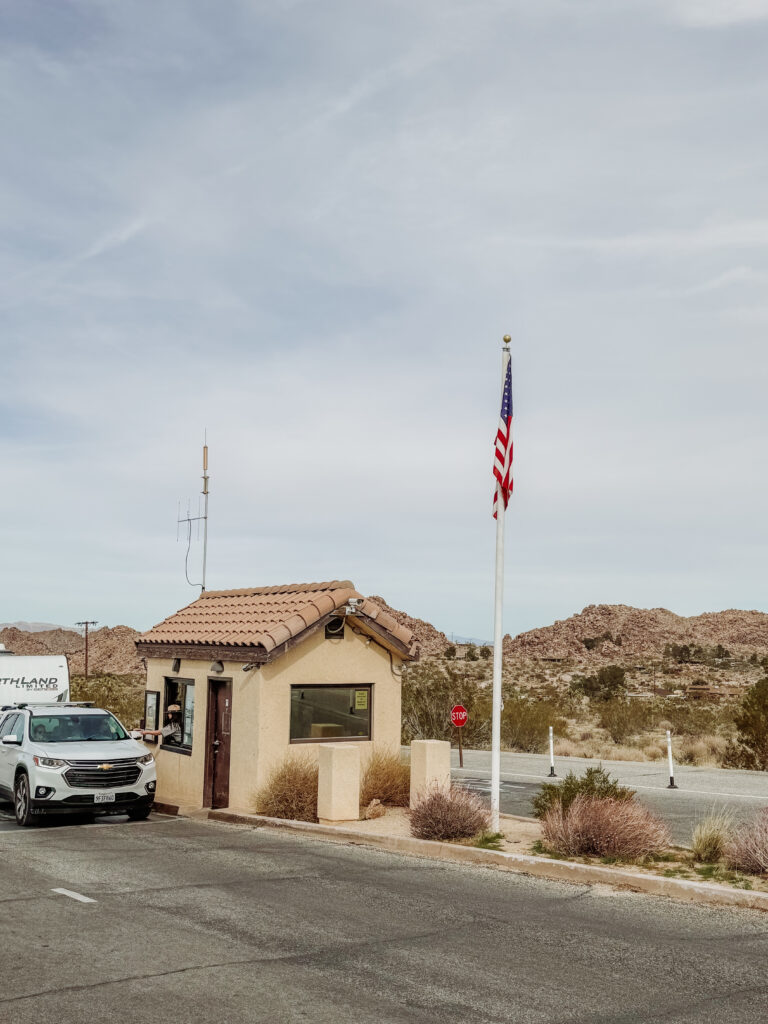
459	715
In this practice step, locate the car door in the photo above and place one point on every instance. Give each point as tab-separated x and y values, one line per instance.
9	754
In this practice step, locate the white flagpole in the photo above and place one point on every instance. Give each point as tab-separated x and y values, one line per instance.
498	633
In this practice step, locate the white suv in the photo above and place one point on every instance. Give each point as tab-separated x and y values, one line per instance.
58	758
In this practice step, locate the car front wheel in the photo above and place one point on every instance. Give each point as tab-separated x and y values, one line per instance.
21	800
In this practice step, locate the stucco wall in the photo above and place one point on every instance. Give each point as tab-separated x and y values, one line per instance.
261	712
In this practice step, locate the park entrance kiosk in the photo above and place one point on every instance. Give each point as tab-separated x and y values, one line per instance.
251	675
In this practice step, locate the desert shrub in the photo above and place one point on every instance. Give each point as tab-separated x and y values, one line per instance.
525	723
471	652
623	718
595	782
386	778
750	750
450	652
604	827
561	699
687	719
122	695
291	790
486	653
609	682
429	691
449	814
747	849
711	836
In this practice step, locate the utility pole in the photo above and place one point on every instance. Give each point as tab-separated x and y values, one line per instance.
86	623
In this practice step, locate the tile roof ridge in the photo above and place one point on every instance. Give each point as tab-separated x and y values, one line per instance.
283	588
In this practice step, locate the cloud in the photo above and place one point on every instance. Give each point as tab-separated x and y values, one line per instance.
306	229
718	13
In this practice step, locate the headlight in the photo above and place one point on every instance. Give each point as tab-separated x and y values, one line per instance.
49	762
147	759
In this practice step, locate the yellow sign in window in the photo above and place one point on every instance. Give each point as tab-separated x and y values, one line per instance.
361	700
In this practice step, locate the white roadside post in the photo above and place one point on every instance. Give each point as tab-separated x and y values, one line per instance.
671	762
551	753
497	619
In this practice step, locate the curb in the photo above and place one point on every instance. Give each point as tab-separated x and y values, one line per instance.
540	867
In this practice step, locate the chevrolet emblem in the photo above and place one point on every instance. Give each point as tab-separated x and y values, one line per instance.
105	767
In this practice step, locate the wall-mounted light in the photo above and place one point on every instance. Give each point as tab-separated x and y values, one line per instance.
217	666
250	666
176	667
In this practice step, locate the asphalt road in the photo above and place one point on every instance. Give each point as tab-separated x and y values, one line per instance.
198	922
699	792
8	820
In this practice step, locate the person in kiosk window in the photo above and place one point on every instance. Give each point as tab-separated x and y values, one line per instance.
171	731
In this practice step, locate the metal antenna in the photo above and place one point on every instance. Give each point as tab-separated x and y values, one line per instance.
189	519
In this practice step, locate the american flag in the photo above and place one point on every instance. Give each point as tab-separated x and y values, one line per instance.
502	456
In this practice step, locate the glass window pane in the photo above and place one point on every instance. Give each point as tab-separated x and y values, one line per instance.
328	712
189	714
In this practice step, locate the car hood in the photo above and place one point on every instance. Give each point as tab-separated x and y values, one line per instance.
92	750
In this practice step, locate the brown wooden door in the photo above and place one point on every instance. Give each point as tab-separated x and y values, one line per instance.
219	736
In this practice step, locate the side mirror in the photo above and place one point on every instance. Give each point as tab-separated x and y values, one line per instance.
12	740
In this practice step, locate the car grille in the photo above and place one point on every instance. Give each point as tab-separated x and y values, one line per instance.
91	774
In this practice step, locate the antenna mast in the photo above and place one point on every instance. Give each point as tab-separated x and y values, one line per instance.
189	519
205	507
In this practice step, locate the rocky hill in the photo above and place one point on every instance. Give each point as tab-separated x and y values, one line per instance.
109	649
597	635
431	640
617	632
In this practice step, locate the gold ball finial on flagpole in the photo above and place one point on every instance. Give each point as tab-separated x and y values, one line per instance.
507	339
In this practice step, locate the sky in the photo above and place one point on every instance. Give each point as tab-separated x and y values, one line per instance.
304	228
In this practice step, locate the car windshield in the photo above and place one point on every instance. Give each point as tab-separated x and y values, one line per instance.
75	728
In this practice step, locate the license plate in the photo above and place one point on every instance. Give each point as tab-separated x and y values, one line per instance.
104	798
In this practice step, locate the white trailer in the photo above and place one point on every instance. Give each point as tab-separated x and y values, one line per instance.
32	679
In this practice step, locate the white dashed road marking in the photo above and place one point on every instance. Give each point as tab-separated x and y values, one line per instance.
74	895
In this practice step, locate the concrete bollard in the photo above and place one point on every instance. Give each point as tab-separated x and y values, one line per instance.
430	767
338	783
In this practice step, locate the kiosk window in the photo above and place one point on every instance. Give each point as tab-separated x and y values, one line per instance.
330	713
177	728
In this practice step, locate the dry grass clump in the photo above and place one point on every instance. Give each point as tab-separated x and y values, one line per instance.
449	814
748	847
291	790
604	827
708	749
386	778
711	836
700	750
605	750
621	752
568	748
654	749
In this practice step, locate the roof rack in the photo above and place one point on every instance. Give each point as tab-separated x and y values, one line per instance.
55	704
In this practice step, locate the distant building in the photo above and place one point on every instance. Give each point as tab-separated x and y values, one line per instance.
260	672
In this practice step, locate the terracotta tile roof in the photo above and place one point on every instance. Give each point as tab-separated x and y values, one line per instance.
267	616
